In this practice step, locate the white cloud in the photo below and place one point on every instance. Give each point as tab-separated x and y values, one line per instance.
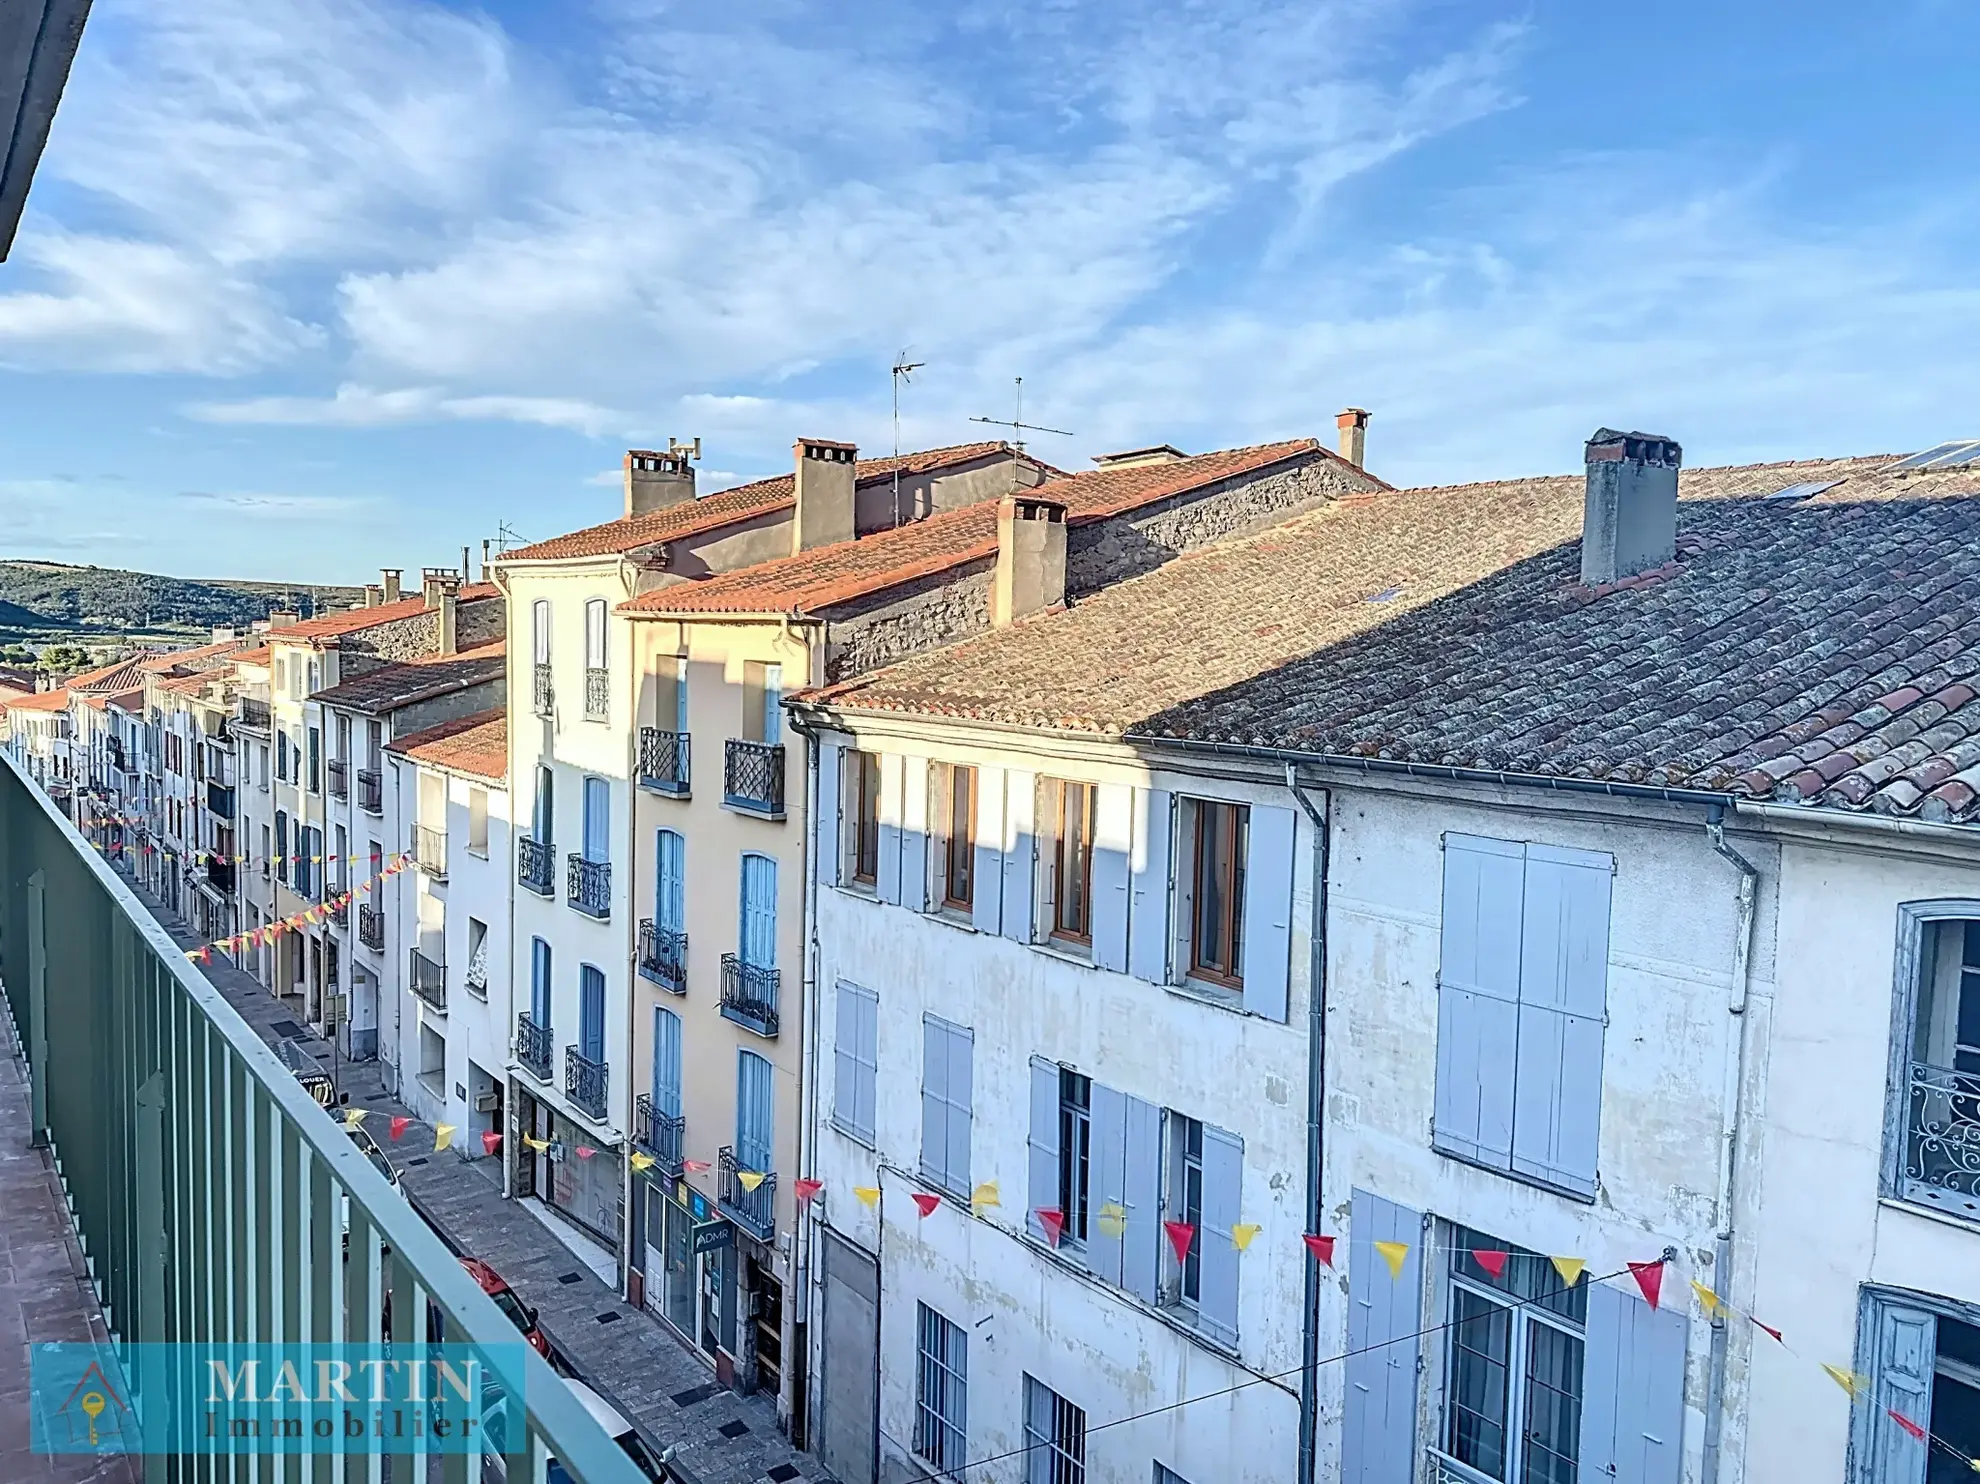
278	506
356	406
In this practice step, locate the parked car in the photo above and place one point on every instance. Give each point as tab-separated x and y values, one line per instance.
520	1314
493	1465
368	1147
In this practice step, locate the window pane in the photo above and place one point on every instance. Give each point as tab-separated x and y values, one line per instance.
960	863
1475	1414
1553	1405
1070	910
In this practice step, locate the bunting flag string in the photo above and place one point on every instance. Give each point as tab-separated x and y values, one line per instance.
1322	1248
1052	1222
925	1203
1243	1232
749	1180
1181	1235
1395	1254
985	1196
309	916
869	1195
400	1124
443	1136
641	1163
804	1190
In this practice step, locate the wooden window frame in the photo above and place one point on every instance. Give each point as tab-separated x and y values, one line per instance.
1082	933
959	838
865	822
1230	824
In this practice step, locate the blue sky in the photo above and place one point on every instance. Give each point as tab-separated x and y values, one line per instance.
308	287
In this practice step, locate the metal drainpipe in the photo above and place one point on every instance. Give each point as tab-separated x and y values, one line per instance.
1732	1103
807	1085
1316	1090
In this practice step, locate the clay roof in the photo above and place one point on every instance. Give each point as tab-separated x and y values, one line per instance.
1821	650
832	574
47	700
260	656
117	675
353	620
726	507
477	744
173	658
404	682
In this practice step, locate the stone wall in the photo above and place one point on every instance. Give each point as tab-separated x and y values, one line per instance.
1124	546
935	610
419	635
487	696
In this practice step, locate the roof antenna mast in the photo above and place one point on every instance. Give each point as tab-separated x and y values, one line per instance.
1020	427
901	372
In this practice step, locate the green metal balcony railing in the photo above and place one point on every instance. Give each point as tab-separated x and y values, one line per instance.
214	1200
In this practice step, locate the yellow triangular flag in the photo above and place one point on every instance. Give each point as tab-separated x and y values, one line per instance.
354	1116
1848	1380
1707	1300
1395	1254
985	1195
1111	1218
1242	1233
443	1136
869	1195
1570	1268
539	1145
641	1163
749	1179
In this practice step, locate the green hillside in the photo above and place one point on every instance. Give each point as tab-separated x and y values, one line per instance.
57	596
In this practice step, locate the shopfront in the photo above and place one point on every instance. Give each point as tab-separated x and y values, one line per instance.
690	1266
571	1171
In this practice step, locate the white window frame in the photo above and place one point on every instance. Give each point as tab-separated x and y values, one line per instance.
939	1438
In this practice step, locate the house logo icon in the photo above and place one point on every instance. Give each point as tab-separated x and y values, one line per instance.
94	1412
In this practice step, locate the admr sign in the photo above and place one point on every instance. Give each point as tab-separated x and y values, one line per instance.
712	1236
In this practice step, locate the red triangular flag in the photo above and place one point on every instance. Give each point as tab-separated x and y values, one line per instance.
585	1151
491	1141
804	1190
1320	1247
1491	1260
926	1203
1181	1234
399	1125
696	1166
1053	1221
1770	1330
1650	1278
1906	1423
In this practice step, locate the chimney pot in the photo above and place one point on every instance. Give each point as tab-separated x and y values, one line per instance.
450	619
1353	425
1031	558
391	582
1629	505
281	618
373	595
827	473
656	480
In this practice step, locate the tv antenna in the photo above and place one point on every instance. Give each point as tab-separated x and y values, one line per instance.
1019	426
506	536
902	372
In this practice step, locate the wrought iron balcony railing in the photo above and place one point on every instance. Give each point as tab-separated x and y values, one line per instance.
755	1211
338	772
749	994
220	801
536	866
659	1134
588	886
584	1082
533	1046
429	980
663	956
371	793
753	777
597	694
1942	1140
371	927
664	759
334	903
542	695
220	871
430	851
254	714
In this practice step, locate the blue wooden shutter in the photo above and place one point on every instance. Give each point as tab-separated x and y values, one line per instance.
1378	1426
773	704
1217	1261
591	1013
914	834
1563	997
1902	1372
1632	1390
1142	1243
1042	1189
869	1061
753	1113
830	849
1020	850
1478	998
759	911
1152	885
852	1059
987	873
670	876
955	1162
1106	1182
597	819
1113	842
1268	868
934	1100
539	983
887	879
666	1061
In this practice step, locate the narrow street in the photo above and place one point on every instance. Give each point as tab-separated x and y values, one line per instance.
626	1355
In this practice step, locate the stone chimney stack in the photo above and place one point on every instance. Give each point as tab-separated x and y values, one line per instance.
281	618
1629	509
449	596
391	583
1031	558
656	480
825	479
434	580
373	595
1353	425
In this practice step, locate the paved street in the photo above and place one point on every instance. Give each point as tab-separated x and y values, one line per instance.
626	1355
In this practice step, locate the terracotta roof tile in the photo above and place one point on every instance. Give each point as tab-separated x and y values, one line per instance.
477	744
725	507
355	620
1447	626
260	656
419	679
47	700
819	578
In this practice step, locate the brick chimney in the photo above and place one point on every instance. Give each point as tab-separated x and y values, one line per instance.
391	583
656	480
1031	558
825	477
1629	509
1353	425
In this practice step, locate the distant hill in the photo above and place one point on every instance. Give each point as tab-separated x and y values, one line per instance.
55	595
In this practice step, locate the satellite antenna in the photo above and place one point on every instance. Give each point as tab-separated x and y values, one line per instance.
1020	427
902	370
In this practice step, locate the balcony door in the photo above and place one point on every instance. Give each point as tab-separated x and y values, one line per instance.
597	819
539	983
666	1062
591	1013
753	1112
543	821
758	937
670	882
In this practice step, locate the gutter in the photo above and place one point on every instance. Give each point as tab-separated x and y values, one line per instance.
1316	1093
